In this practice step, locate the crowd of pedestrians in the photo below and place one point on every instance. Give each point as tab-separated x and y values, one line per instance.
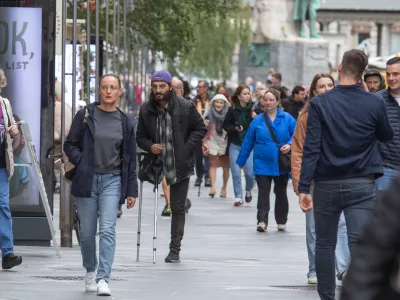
339	145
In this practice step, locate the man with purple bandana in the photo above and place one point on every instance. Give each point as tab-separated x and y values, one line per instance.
8	131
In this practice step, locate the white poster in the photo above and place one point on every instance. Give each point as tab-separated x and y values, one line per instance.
21	60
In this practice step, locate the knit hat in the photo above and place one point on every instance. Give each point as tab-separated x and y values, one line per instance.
163	76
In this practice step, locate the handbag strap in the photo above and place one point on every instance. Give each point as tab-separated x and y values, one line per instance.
271	132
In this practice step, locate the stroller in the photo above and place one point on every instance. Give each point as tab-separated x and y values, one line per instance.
150	170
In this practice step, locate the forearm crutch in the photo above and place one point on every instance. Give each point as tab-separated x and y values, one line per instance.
139	220
155	218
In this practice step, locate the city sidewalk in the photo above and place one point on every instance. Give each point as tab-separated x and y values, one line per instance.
223	257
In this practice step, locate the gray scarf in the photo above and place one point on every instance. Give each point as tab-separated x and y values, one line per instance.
217	118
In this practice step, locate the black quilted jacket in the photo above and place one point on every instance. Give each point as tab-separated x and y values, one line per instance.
390	151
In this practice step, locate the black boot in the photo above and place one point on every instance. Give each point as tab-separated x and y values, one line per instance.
172	258
10	261
198	181
207	182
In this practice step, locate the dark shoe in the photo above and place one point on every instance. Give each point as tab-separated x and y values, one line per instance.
119	211
211	194
207	182
11	261
166	211
197	182
188	205
172	258
248	197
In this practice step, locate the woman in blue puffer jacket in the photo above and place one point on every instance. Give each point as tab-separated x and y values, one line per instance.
266	153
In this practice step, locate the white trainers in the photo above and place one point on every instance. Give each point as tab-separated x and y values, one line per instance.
262	227
102	288
238	202
281	227
90	282
312	280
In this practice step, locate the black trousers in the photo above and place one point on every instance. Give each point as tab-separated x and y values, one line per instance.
202	162
281	199
178	195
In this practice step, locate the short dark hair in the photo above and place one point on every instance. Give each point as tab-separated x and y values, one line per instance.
297	89
205	82
277	76
393	61
354	63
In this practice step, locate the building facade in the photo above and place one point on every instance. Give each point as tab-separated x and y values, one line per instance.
370	25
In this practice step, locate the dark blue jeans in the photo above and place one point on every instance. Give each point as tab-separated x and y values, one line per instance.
357	201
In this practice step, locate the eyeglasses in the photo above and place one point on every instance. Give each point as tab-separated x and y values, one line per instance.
105	88
200	86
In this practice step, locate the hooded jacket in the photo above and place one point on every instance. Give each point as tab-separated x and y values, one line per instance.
373	72
217	144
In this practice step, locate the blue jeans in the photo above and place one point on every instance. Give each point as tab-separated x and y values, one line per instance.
357	199
6	233
103	204
383	183
342	252
237	172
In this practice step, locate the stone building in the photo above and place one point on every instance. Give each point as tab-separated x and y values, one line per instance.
372	25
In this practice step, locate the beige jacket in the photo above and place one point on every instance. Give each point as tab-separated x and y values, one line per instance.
8	120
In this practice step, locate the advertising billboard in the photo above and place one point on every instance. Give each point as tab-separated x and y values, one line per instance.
21	60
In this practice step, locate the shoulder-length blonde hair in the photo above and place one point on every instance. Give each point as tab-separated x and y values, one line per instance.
313	87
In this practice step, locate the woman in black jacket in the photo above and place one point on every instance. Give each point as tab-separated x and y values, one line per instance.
101	144
236	123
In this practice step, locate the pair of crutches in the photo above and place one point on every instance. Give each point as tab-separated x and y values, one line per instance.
156	183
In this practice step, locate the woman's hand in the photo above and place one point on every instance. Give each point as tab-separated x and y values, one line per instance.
238	128
285	149
205	149
206	122
131	202
13	130
253	114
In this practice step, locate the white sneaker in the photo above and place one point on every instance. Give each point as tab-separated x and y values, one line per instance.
90	282
281	227
238	202
312	280
262	227
102	288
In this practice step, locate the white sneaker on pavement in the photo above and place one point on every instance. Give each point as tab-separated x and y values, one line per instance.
262	227
238	202
102	288
312	280
90	282
281	227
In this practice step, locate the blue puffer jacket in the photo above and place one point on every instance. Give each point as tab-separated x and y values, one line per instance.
265	150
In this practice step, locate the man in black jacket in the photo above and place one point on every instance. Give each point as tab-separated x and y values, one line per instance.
341	155
390	151
170	128
295	103
374	271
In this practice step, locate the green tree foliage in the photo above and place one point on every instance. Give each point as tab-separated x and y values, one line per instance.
196	36
214	44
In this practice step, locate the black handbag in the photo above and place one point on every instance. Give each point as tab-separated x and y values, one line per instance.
284	160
